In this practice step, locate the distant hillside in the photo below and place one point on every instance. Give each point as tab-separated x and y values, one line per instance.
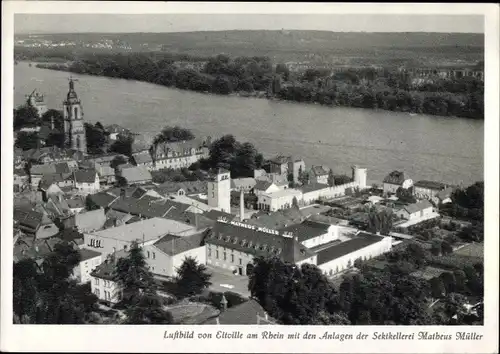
297	45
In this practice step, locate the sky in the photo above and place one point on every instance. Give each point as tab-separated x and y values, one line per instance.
112	23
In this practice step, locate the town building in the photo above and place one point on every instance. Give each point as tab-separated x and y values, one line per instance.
188	188
427	189
313	233
34	223
87	181
167	254
233	245
74	129
102	282
136	175
21	180
319	174
89	260
144	232
105	160
395	180
282	199
444	196
143	159
341	256
295	165
219	191
177	155
421	209
245	184
265	187
359	177
106	175
279	165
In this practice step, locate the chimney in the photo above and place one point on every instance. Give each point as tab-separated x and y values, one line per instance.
242	205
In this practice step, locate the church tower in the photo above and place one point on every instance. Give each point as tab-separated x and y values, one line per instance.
74	130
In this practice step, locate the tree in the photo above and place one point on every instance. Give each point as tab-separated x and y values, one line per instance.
342	179
331	178
96	139
148	309
55	138
123	145
117	161
303	176
405	195
53	115
132	274
192	278
446	247
436	247
449	282
172	134
27	140
380	221
295	202
437	287
26	116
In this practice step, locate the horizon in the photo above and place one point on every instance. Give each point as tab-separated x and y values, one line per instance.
186	23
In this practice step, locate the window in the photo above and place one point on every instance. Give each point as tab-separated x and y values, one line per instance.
217	254
209	251
232	258
148	254
96	292
225	255
241	262
96	281
154	255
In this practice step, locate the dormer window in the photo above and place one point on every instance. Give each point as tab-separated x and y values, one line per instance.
220	237
250	244
278	251
235	240
243	243
256	246
228	238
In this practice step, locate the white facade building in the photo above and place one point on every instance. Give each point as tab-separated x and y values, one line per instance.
219	191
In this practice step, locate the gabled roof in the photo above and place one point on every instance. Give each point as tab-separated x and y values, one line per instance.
87	254
256	241
307	230
416	207
62	167
142	157
362	240
157	208
189	187
278	219
106	171
103	199
85	176
172	244
312	187
279	160
47	169
446	193
242	314
245	183
319	170
28	219
76	202
395	177
136	174
49	179
262	185
430	185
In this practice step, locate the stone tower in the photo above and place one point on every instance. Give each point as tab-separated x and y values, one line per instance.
359	176
219	191
74	130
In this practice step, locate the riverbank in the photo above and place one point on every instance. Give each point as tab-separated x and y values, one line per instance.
454	99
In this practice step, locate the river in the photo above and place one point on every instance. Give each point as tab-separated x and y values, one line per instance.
425	147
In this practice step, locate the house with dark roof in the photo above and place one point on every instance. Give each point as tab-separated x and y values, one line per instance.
395	180
188	188
279	164
233	245
102	282
87	181
36	249
341	256
34	223
60	179
106	175
265	187
313	233
427	189
248	313
136	175
246	184
278	219
89	260
164	256
319	174
417	210
103	199
143	159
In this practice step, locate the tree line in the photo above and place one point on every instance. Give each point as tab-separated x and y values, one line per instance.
386	89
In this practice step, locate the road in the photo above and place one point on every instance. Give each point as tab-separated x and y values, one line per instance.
223	280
